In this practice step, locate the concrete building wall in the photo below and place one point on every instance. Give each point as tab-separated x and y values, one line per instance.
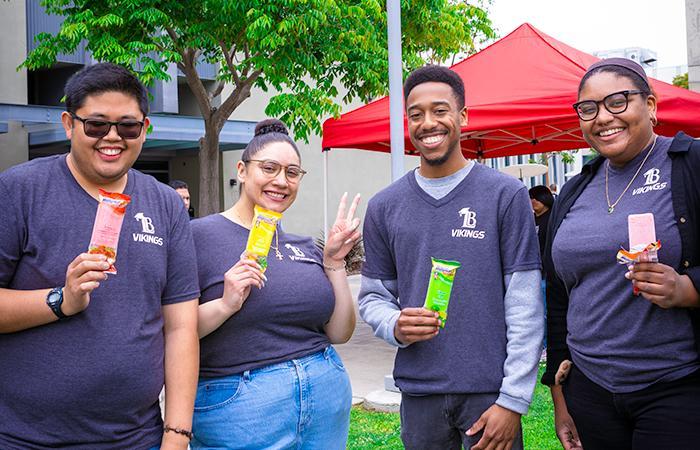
14	146
692	18
13	49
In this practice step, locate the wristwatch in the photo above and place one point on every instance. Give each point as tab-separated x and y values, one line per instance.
55	299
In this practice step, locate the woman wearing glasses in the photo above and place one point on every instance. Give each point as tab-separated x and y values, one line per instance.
634	382
269	377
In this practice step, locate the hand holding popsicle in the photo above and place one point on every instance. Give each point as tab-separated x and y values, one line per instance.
662	285
416	324
83	276
344	233
238	281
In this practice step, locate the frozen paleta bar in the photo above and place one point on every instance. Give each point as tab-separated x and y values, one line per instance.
107	226
442	278
261	233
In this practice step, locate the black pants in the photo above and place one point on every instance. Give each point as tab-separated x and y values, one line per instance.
662	416
439	422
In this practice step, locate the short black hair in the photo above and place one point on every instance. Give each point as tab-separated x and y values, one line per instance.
178	184
542	194
638	82
266	132
437	74
104	77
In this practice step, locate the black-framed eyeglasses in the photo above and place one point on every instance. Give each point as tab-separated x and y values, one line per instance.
98	128
615	103
272	168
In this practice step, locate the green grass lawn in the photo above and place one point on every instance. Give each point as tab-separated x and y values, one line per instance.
373	430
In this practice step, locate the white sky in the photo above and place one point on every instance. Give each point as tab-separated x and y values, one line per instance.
594	25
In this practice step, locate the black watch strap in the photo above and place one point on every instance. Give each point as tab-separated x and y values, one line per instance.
55	299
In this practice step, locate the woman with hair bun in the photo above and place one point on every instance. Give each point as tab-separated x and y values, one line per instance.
269	376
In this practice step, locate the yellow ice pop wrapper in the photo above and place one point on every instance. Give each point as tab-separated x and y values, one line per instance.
261	233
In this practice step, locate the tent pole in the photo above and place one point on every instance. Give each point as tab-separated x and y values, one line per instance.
325	193
393	12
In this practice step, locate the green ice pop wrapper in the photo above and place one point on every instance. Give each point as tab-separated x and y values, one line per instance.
442	277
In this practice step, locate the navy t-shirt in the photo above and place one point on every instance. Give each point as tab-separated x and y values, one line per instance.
622	342
282	321
485	223
91	381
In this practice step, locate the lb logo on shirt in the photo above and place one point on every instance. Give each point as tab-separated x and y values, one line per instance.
651	182
468	229
298	254
148	231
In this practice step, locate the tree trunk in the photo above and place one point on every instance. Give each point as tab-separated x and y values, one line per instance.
209	179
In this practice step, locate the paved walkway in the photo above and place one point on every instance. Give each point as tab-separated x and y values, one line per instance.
367	358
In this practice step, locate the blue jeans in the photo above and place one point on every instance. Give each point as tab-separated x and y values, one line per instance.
298	404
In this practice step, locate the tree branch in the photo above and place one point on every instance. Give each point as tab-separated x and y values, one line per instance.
173	35
195	83
229	61
248	63
217	89
237	97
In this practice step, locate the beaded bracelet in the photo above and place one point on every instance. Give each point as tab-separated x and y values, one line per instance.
181	431
335	269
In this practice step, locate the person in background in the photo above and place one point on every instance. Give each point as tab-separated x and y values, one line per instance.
553	189
635	379
542	200
184	192
269	376
84	356
466	384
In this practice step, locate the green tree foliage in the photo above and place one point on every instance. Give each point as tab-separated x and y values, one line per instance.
681	80
305	49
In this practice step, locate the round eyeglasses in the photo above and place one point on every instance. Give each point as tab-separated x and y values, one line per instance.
98	128
272	168
615	103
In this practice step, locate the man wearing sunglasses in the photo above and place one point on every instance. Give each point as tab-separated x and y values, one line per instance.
84	356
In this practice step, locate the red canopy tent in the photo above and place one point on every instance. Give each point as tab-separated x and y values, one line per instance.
519	93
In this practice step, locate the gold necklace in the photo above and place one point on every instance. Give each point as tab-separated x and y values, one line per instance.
278	254
611	207
276	247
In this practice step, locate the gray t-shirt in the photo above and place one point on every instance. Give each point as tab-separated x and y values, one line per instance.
485	223
282	321
91	381
622	342
440	187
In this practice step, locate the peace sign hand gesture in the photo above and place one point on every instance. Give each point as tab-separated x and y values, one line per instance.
344	233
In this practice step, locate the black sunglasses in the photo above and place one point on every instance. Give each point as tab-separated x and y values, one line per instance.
615	103
97	128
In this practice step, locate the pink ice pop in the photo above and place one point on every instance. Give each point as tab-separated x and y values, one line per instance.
641	230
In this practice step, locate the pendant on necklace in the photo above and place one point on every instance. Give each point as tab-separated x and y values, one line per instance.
611	209
278	254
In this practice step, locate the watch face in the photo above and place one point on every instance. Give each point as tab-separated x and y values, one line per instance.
54	297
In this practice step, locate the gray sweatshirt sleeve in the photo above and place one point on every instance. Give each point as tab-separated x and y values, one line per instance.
379	307
524	310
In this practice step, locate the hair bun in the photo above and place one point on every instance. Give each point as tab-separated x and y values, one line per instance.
270	126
